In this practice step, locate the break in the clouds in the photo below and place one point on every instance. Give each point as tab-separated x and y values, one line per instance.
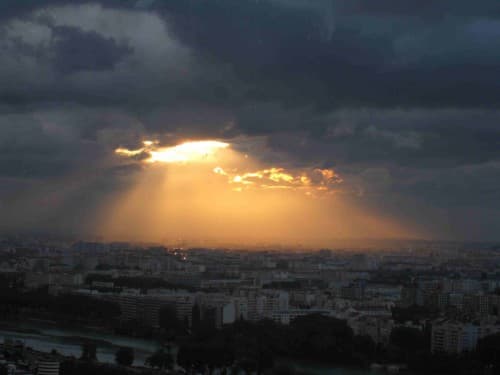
399	98
311	181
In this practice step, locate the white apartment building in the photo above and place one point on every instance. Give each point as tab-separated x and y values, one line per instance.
455	337
287	316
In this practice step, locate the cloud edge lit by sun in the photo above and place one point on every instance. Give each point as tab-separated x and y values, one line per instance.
312	181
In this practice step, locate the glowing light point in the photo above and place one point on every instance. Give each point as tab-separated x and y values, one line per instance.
219	170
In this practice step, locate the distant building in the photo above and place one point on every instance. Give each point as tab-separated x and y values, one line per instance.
355	290
48	367
285	317
145	308
454	337
274	300
379	329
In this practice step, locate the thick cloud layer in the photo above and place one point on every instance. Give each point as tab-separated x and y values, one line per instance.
400	97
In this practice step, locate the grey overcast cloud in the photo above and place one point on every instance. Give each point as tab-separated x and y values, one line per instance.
400	99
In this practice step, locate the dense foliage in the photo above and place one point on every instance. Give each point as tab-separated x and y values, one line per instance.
124	356
256	346
70	306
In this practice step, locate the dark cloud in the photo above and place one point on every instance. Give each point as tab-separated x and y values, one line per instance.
329	54
426	138
76	50
401	58
400	96
421	9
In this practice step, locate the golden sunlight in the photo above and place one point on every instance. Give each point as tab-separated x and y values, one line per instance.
194	151
210	191
191	151
242	170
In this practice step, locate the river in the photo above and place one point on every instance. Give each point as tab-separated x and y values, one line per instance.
69	342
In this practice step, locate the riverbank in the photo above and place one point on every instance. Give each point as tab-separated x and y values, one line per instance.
68	342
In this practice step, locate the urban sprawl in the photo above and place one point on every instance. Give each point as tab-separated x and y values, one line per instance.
445	297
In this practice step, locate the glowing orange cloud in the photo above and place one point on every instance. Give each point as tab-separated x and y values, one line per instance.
311	181
126	152
210	192
186	152
193	151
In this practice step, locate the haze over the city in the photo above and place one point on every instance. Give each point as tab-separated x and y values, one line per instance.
272	121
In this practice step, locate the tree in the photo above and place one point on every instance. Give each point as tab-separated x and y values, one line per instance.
409	340
364	347
168	318
194	354
323	338
196	317
249	365
124	356
254	344
185	357
412	313
488	349
201	354
170	324
161	359
283	369
89	351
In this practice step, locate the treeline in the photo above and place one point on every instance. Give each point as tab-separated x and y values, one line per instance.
255	346
413	313
485	360
68	306
78	367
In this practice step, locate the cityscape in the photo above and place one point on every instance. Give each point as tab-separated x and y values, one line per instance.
422	306
249	187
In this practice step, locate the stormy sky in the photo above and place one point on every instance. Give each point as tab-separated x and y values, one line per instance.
401	98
